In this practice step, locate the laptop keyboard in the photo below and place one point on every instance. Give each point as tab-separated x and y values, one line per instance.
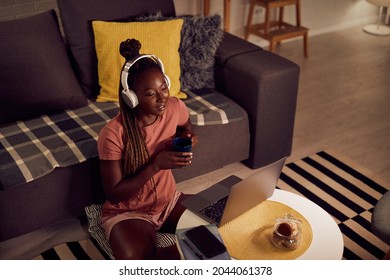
214	211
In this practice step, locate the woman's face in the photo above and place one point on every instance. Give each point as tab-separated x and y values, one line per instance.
152	92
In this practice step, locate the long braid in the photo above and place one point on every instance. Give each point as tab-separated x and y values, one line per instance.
136	153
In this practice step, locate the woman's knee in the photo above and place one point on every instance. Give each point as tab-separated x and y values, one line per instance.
134	252
133	240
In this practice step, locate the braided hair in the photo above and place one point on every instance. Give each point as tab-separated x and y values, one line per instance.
136	153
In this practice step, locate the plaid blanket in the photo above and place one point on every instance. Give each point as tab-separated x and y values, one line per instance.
33	148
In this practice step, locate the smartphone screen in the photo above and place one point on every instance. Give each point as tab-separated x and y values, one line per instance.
206	241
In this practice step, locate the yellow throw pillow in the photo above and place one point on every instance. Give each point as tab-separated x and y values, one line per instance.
161	38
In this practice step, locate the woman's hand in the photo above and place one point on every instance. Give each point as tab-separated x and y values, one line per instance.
193	136
186	131
166	159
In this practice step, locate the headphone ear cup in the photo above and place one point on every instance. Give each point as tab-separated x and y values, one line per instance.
168	81
130	98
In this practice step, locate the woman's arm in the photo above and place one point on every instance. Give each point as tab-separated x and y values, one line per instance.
118	188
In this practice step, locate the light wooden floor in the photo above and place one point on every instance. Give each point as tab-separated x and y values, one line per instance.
343	104
344	97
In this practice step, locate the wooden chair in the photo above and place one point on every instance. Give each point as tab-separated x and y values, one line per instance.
226	12
277	30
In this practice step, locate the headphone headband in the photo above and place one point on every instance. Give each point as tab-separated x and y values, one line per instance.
128	95
130	63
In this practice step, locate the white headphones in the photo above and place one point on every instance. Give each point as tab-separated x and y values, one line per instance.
129	95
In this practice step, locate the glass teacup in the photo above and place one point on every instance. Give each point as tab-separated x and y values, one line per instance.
287	233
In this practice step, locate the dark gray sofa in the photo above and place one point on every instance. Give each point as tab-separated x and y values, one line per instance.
261	84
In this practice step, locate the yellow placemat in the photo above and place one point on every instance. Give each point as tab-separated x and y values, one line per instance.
248	237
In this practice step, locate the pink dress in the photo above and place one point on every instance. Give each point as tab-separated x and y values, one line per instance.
158	136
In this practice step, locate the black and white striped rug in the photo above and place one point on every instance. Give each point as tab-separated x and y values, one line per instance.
344	189
87	249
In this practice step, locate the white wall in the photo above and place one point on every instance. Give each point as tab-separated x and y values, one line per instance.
319	16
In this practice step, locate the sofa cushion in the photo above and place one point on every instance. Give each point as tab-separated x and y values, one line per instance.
159	38
33	148
233	46
200	38
76	17
36	76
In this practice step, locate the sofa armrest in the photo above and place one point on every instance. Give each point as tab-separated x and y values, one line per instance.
265	85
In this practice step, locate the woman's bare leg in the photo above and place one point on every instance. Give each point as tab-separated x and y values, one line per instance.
170	224
136	240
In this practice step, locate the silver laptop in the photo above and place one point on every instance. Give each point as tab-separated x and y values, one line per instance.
232	196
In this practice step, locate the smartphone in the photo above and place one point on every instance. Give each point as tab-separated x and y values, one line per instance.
205	241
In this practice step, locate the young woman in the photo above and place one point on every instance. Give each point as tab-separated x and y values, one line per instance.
136	158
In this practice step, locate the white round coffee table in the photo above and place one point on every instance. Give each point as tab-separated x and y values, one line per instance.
327	243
